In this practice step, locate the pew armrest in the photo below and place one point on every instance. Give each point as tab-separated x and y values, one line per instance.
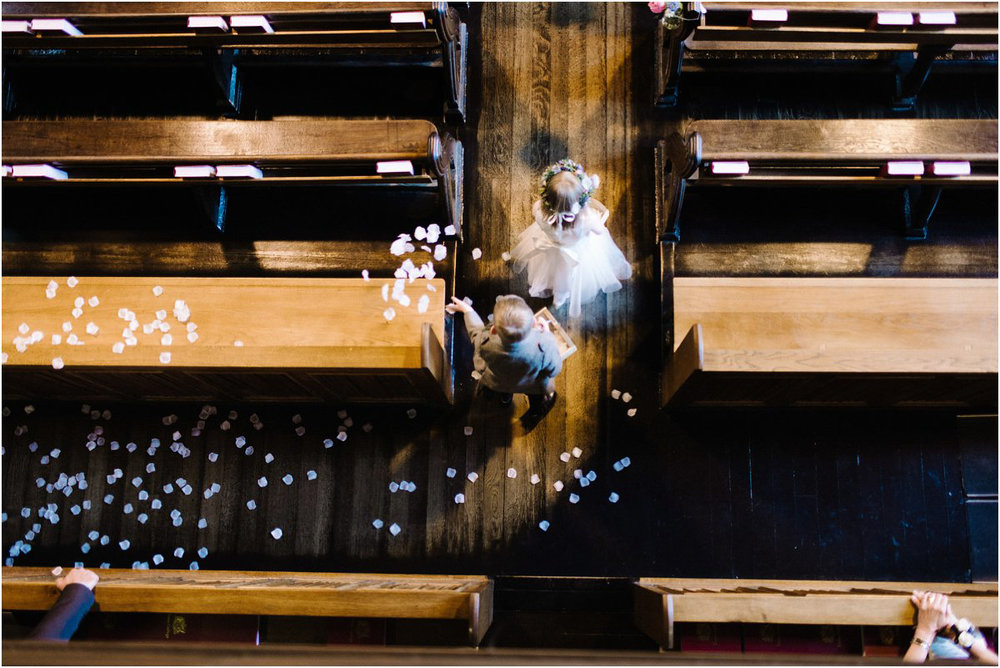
434	358
683	363
654	614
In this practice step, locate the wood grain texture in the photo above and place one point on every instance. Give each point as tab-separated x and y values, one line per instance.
259	593
809	602
340	258
297	323
77	141
197	8
700	496
987	8
857	139
844	23
848	325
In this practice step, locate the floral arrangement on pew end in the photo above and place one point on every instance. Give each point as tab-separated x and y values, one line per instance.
673	13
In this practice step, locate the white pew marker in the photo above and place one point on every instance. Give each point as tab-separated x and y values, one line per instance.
238	172
949	168
768	15
394	167
894	19
203	22
194	171
55	25
257	21
15	26
408	19
937	18
38	171
904	168
730	167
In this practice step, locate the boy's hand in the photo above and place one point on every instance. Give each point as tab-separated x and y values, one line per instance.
457	306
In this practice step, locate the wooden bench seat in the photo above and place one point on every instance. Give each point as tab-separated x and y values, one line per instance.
722	33
313	153
365	33
899	342
272	339
662	602
827	153
375	595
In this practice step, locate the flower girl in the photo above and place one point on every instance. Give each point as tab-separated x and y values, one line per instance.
567	250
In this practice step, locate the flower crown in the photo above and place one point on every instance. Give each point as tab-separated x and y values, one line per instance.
589	183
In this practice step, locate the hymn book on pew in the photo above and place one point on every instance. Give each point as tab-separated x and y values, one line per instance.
563	342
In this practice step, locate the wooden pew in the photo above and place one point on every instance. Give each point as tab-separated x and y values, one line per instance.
724	33
276	258
272	339
376	595
828	153
360	33
314	153
662	602
900	342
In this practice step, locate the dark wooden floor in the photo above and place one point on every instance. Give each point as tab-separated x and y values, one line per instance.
785	495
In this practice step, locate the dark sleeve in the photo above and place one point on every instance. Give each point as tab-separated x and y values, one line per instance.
61	622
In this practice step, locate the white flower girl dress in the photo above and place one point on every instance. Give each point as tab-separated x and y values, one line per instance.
570	262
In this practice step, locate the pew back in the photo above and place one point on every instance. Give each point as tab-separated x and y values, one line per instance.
303	142
425	34
842	25
349	25
662	602
902	39
802	327
323	337
387	596
854	140
848	153
317	153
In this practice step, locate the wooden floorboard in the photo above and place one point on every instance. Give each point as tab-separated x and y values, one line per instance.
713	494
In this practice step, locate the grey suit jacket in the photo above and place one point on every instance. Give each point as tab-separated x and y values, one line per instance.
525	366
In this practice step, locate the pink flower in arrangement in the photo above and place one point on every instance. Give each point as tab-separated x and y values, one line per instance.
657	7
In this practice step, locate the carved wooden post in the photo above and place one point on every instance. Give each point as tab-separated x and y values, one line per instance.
677	158
669	50
454	42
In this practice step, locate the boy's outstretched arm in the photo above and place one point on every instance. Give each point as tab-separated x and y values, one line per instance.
472	320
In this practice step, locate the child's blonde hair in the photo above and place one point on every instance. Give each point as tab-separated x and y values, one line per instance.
512	318
562	194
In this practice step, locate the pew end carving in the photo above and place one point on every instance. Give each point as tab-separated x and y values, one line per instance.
677	159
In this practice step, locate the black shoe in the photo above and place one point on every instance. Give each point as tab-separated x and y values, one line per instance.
505	398
541	407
